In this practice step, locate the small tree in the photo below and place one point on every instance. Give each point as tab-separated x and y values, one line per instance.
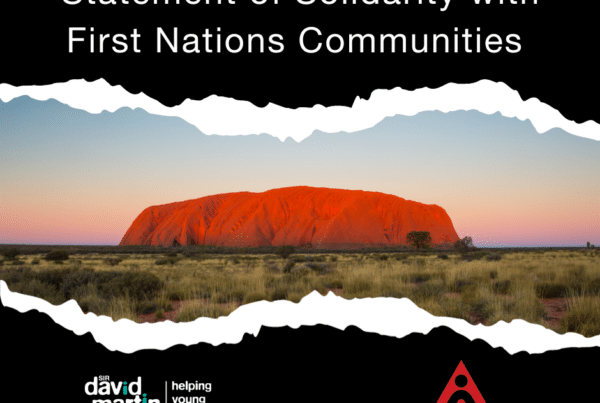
285	251
419	239
446	242
12	253
464	244
588	244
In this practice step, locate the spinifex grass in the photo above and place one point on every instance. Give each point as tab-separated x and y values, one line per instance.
480	290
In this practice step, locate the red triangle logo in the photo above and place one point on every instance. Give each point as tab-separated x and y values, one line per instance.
461	388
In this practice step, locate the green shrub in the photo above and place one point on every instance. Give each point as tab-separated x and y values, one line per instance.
321	289
35	261
295	297
443	256
460	284
169	260
136	285
494	257
11	253
97	306
171	254
53	277
254	297
13	276
57	255
113	261
479	255
502	287
272	267
333	258
454	308
84	305
429	290
175	295
69	280
145	307
38	289
593	286
480	306
279	293
493	274
358	285
583	318
551	290
192	312
297	272
466	257
577	274
333	283
393	293
289	266
419	278
234	295
319	268
164	304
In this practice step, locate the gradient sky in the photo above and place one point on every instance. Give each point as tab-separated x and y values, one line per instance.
71	177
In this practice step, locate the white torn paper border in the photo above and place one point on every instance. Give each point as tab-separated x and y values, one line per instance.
213	115
385	316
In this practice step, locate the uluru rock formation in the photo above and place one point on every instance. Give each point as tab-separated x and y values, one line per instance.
323	217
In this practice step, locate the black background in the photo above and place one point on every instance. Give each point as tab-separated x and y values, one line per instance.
312	363
555	65
316	364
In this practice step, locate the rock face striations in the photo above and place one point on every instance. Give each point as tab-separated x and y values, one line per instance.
328	218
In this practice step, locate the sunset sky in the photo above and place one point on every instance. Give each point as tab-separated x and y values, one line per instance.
71	177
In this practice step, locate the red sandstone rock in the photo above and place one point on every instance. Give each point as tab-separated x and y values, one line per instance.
290	216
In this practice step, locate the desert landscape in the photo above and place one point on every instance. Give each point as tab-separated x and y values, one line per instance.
556	288
145	217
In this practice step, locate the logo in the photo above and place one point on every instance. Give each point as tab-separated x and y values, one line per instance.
119	392
461	387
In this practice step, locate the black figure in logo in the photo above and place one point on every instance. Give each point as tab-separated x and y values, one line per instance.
461	381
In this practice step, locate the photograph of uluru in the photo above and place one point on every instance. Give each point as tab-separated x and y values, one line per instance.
140	216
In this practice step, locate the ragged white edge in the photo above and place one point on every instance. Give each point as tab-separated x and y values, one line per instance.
226	116
385	316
